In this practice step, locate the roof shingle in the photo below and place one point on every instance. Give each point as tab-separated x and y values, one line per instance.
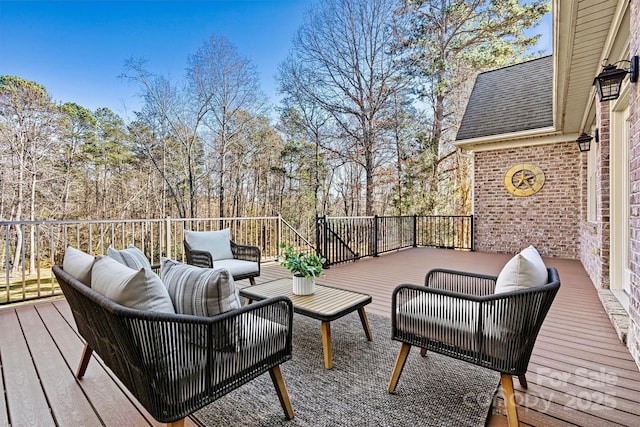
510	99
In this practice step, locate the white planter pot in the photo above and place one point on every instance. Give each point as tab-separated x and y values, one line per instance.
303	286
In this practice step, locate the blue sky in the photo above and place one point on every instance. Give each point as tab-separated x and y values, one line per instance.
76	49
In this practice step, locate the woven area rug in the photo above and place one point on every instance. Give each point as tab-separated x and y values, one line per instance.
432	391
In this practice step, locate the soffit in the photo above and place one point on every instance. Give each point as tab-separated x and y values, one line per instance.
585	32
581	34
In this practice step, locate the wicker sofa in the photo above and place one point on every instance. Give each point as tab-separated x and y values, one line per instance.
458	314
175	364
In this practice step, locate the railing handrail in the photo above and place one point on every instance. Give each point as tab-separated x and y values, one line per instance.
130	220
372	235
28	248
300	236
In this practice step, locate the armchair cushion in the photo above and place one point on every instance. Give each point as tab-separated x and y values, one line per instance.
132	257
217	243
78	264
142	289
238	267
525	270
454	321
199	291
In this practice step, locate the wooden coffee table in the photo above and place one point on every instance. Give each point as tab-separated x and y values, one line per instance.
326	304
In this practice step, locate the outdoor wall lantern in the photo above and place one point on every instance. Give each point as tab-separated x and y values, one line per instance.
584	142
609	81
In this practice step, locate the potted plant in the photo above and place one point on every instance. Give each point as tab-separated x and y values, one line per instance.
305	267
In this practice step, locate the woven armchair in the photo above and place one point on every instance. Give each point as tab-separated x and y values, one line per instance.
176	364
457	314
240	252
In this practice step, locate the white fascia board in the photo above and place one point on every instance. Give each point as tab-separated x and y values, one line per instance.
515	139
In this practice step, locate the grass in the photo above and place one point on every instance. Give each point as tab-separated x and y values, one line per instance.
31	287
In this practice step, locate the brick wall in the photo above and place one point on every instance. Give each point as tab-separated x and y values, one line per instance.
549	220
595	241
633	340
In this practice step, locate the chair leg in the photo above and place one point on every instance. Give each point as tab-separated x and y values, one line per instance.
84	361
179	423
509	400
252	281
522	379
423	352
397	370
281	390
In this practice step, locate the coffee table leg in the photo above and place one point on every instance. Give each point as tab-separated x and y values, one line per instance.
365	323
327	345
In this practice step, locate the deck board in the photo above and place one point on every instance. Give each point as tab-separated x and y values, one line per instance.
24	396
63	393
576	344
103	393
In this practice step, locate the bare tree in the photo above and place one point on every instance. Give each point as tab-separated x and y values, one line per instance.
78	130
301	110
227	85
342	61
174	119
28	125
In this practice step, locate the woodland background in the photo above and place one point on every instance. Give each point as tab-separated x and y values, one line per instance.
373	92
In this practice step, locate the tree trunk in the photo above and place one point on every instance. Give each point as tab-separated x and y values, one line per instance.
32	231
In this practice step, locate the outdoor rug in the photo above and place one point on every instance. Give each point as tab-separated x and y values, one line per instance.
433	391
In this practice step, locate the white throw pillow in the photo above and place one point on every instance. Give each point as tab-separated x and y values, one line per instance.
217	243
525	270
132	257
78	264
141	289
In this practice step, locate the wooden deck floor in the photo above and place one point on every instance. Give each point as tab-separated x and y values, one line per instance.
580	373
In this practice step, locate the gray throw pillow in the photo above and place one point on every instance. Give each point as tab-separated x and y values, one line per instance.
78	264
132	257
199	291
140	289
204	292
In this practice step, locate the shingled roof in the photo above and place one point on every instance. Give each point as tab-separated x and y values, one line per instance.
510	99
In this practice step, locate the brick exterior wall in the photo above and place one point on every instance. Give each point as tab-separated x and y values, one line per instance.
595	240
549	220
633	340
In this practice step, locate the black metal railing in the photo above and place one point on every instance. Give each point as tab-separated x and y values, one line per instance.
341	239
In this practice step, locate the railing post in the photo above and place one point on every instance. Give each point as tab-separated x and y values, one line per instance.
320	248
279	228
415	230
472	238
168	228
375	235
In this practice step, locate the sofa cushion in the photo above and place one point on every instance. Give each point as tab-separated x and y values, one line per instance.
132	257
141	289
237	267
199	291
523	271
78	264
217	243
